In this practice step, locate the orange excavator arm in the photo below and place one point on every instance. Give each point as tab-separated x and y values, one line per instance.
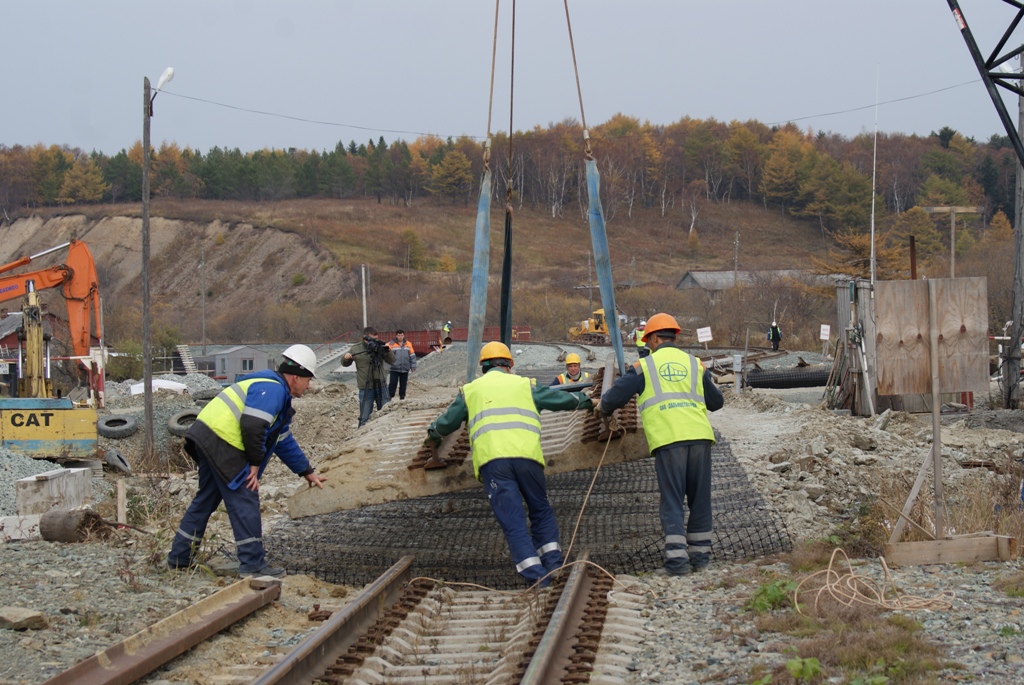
80	288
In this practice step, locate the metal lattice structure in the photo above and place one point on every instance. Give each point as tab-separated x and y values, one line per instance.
455	537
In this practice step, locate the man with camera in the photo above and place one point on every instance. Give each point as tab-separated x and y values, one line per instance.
370	356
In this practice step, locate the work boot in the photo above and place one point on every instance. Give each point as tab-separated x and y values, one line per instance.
175	566
273	571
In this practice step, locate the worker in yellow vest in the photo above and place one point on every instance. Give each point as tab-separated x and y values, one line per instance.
674	394
502	414
638	339
572	374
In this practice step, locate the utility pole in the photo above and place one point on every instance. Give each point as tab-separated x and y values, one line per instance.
736	261
202	288
363	269
953	211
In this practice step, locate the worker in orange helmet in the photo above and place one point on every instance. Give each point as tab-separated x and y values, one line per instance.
674	394
502	414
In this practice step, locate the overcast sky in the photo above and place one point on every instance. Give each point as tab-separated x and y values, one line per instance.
73	71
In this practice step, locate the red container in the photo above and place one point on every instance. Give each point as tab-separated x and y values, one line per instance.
426	341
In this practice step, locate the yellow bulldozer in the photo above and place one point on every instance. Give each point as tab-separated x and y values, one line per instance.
593	331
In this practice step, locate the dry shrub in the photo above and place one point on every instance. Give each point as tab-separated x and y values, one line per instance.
809	556
976	500
1012	585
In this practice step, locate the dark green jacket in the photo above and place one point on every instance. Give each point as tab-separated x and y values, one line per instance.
369	374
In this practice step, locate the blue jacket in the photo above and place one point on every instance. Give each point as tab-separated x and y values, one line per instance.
266	430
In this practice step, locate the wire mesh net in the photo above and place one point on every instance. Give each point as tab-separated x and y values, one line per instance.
455	537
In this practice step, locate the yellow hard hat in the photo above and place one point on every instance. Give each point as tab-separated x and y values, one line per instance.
572	359
495	350
660	322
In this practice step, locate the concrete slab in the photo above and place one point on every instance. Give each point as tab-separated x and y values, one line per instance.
373	467
60	489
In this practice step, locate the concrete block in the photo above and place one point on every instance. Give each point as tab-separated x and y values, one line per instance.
19	528
61	489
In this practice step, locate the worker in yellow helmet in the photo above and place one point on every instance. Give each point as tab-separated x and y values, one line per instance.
674	394
502	414
573	373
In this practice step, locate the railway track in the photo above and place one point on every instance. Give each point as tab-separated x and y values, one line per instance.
401	629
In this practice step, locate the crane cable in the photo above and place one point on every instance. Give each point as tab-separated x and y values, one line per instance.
506	264
579	91
598	233
482	238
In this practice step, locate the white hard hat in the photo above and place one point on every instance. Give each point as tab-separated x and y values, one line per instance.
643	322
301	356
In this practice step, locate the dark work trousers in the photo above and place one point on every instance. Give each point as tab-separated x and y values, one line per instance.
243	507
684	475
508	483
368	397
398	380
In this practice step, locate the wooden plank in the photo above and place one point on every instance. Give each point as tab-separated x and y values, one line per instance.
963	334
48	475
987	548
902	346
122	501
901	337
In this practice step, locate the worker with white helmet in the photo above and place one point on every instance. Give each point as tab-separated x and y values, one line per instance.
775	335
573	372
502	414
674	394
638	339
231	441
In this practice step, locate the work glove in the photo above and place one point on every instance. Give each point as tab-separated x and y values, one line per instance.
433	438
598	412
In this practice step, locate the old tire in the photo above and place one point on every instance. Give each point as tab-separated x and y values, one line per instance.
179	423
117	461
116	426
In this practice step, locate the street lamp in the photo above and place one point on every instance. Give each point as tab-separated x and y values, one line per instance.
147	342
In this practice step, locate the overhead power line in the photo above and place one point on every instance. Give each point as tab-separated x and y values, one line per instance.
338	124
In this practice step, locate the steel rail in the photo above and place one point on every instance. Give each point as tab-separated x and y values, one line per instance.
313	656
554	652
140	654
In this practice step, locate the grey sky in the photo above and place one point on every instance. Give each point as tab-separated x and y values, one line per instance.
72	71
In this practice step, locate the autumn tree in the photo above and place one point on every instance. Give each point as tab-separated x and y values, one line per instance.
452	178
82	183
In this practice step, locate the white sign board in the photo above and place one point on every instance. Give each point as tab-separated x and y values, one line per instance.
4	369
704	334
825	329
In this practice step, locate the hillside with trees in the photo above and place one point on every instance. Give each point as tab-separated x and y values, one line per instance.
690	195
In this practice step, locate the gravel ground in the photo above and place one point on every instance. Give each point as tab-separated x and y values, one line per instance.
94	594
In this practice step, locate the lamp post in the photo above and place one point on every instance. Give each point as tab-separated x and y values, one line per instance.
147	342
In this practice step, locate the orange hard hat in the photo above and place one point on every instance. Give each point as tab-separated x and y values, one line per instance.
660	322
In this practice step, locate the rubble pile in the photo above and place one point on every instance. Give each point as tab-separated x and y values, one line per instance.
822	465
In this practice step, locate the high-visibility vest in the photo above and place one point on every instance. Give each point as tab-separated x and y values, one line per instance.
638	335
223	413
563	378
503	419
672	404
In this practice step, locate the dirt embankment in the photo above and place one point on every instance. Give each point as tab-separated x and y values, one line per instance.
246	268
